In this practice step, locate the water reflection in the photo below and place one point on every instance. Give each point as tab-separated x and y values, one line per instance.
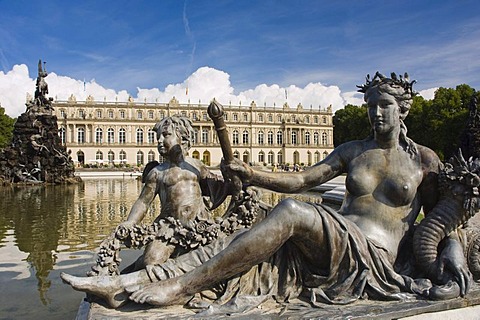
48	229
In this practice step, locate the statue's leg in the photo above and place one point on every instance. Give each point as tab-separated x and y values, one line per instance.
156	252
289	220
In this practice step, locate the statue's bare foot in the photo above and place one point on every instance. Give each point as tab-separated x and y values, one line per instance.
163	293
108	288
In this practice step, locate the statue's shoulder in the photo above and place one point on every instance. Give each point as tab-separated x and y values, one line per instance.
429	158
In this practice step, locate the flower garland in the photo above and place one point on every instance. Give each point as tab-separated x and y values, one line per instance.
198	232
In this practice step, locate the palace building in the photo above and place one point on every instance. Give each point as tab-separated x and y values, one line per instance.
120	133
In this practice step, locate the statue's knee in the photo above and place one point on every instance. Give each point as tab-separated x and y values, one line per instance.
289	206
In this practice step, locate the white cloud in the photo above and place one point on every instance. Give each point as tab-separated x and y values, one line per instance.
201	86
428	94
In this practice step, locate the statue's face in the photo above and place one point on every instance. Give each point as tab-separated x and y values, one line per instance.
167	139
383	112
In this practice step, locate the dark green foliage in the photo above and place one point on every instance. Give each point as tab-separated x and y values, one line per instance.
437	123
350	123
6	128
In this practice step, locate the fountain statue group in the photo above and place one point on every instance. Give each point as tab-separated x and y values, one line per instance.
37	154
297	249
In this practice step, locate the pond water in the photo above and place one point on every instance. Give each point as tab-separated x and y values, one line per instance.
46	230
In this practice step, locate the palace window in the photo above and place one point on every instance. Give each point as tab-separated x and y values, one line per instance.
260	117
279	118
139	136
98	135
151	156
194	117
99	114
151	136
110	135
307	119
62	135
204	135
270	138
315	120
63	115
294	137
204	116
122	156
324	120
270	117
110	114
316	157
111	156
235	137
245	117
245	137
140	158
315	138
139	115
81	135
235	117
99	156
280	157
307	137
270	157
279	137
324	138
81	113
122	114
261	157
260	137
121	136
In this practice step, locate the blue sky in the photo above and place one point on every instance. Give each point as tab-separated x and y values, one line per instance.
125	45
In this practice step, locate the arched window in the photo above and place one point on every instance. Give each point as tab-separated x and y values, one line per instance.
294	137
99	156
122	157
81	157
235	137
261	157
140	158
260	117
236	154
81	135
151	136
121	136
270	157
279	137
151	156
206	158
307	138
325	154
110	135
316	157
315	119
111	156
98	135
196	155
309	158
270	138
260	137
296	157
246	157
195	137
245	137
324	138
324	120
280	157
139	136
62	135
315	138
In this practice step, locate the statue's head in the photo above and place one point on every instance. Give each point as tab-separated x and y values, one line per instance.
401	88
182	126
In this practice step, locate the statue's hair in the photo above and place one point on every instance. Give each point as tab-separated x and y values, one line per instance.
183	129
401	88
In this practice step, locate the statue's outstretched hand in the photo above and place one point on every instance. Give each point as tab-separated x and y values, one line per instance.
238	169
452	260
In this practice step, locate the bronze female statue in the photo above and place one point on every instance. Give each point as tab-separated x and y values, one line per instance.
363	250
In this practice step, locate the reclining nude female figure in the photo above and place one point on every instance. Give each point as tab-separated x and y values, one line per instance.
362	250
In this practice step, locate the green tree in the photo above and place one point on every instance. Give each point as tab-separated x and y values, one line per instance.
350	123
6	128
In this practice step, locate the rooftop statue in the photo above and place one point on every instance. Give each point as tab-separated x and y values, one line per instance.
310	251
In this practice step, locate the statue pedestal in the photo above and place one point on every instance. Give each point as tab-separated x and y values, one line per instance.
460	308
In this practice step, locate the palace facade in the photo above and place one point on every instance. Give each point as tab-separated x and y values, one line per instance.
121	132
